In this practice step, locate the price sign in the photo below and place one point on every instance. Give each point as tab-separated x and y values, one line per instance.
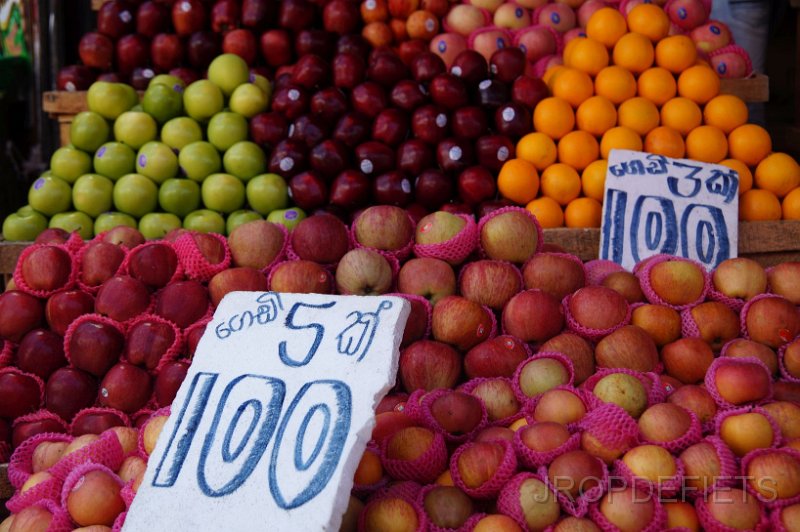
655	204
269	426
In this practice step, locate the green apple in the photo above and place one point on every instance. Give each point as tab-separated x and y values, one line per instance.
226	129
110	220
135	128
237	218
24	225
155	225
179	196
248	100
262	83
245	160
135	194
202	100
74	221
180	131
204	221
289	218
162	102
50	195
92	194
114	160
199	159
88	131
69	163
110	99
267	192
157	161
228	71
166	79
222	192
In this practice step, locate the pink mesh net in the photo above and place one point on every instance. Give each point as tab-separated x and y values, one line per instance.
771	484
728	470
612	426
785	372
532	459
20	465
49	489
41	415
160	412
6	353
106	450
80	418
425	415
19	280
119	522
491	487
469	387
195	265
711	374
591	334
172	352
776	521
508	499
735	304
76	477
425	469
522	397
689	328
644	280
664	487
455	250
599	269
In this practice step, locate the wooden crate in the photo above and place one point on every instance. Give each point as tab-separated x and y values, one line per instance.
9	252
63	106
97	4
752	89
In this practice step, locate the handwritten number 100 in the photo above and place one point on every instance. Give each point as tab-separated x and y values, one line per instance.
242	409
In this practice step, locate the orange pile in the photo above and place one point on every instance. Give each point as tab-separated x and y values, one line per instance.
629	85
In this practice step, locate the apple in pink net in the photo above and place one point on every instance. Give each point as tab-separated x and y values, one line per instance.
497	357
695	398
460	322
41	352
63	307
489	282
300	277
510	236
740	277
183	302
428	365
383	227
236	279
28	429
363	272
69	390
687	359
125	387
678	282
46	268
153	264
147	341
479	462
430	278
772	321
96	422
122	298
19	394
448	506
31	519
320	238
168	381
19	314
498	397
52	235
716	322
94	346
544	436
575	472
256	244
122	235
598	307
417	323
664	422
456	412
742	347
99	262
627	284
533	316
577	350
741	381
628	347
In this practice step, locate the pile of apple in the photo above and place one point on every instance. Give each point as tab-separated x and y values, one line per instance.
533	390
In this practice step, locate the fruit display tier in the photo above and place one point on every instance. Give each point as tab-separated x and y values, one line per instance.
64	105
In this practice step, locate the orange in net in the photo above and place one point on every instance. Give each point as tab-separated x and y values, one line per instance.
726	112
698	83
681	114
657	85
615	83
665	141
583	212
593	180
676	53
749	143
572	85
639	114
635	52
578	149
587	55
561	183
759	205
554	117
547	211
518	181
778	173
596	115
745	175
791	205
538	149
619	138
606	26
649	20
707	144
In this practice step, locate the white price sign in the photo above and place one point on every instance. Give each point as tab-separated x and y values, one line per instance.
269	426
654	204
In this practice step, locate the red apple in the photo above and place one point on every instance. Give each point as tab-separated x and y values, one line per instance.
772	321
123	235
236	279
628	347
168	381
575	472
510	236
430	278
19	314
363	272
695	399
320	238
69	390
498	357
687	359
94	346
428	365
46	268
575	348
460	322
188	16
41	352
125	387
166	51
96	51
153	264
456	412
122	298
740	381
183	302
533	316
147	341
99	262
300	277
490	282
598	307
20	394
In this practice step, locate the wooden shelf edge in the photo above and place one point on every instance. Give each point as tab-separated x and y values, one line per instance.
64	102
753	89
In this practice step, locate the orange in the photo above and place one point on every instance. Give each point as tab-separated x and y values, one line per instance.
657	85
551	72
566	55
706	144
538	149
554	117
749	143
518	181
759	205
561	183
778	173
583	212
596	115
698	83
547	211
587	55
639	114
676	53
635	52
725	111
593	180
649	20
606	26
681	114
619	138
665	141
578	149
572	85
745	175
615	83
791	205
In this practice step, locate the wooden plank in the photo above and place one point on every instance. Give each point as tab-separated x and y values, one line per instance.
97	4
752	89
9	253
64	102
6	489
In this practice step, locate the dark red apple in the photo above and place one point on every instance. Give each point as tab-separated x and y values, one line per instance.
369	99
46	268
491	93
19	314
448	91
390	127
96	421
507	64
374	157
476	184
96	50
65	306
469	122
529	91
168	381
288	157
315	41
408	95
41	352
276	47
296	14
428	365
352	129
310	71
433	189
513	120
166	51
454	155
392	188
498	357
533	316
492	151
348	69
414	156
28	429
122	298
308	190
94	346
470	66
188	16
132	52
291	100
241	42
341	16
20	394
429	124
225	16
69	390
268	129
426	65
153	264
152	18
125	387
202	47
183	302
243	279
99	262
350	190
353	43
386	68
147	341
329	158
329	103
115	19
73	78
309	129
321	238
258	14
